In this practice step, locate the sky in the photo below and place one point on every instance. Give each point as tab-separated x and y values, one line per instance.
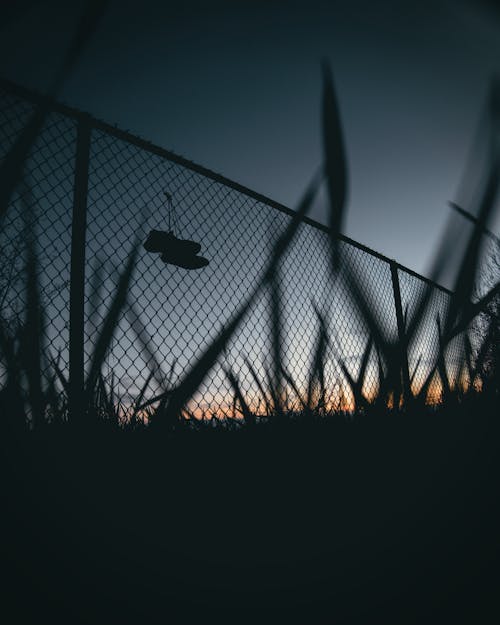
236	87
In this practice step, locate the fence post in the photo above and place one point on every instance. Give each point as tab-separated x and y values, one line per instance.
77	272
403	346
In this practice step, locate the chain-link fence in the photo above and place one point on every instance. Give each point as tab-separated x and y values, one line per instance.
172	314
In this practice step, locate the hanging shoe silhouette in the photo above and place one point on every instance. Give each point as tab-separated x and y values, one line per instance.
160	241
186	261
174	251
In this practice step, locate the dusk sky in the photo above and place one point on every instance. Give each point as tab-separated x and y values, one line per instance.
236	87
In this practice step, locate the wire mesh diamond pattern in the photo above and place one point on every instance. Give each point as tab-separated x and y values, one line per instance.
171	314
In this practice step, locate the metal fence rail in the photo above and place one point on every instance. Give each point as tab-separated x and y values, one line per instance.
121	195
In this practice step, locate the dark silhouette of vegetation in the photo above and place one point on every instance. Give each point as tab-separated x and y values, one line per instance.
387	512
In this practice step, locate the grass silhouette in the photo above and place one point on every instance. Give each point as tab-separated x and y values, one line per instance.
302	512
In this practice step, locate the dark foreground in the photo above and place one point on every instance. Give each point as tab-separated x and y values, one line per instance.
384	520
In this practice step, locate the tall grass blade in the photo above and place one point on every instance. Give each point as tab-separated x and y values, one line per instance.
276	337
95	295
468	359
453	229
365	304
8	350
471	311
288	235
11	394
12	169
33	331
356	384
276	404
440	263
382	388
248	415
138	401
466	276
415	370
319	363
200	369
86	27
60	376
141	334
260	386
289	380
103	406
441	363
483	351
110	323
421	396
334	161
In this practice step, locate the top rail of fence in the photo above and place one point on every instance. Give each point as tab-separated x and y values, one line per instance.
124	135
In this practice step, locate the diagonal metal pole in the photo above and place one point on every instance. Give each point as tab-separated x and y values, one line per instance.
77	274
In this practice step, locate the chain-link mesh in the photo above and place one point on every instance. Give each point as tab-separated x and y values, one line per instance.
173	314
46	193
425	345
